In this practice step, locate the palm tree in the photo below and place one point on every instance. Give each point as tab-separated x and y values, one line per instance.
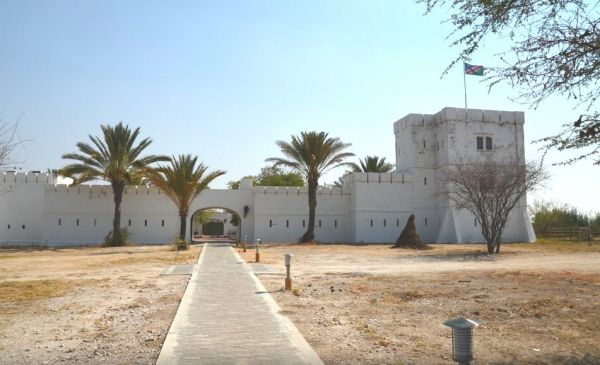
182	181
312	154
114	158
373	164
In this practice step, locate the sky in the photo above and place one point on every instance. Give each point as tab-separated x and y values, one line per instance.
225	80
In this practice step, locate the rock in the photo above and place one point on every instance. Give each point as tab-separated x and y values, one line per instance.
409	237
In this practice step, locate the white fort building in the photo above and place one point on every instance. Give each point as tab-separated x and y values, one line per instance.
369	207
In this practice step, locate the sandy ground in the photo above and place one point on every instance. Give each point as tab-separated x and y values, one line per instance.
88	305
538	304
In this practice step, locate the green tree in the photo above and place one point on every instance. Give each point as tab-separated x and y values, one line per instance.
555	51
373	164
311	155
182	181
276	176
235	184
116	158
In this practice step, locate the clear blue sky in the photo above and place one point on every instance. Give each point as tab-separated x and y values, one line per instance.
226	79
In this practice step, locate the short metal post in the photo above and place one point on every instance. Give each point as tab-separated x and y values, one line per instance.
462	339
244	243
258	241
288	276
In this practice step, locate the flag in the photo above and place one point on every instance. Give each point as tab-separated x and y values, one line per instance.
473	70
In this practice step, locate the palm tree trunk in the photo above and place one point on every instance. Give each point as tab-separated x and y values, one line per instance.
117	240
309	235
182	225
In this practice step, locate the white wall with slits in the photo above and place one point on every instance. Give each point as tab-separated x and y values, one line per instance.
369	207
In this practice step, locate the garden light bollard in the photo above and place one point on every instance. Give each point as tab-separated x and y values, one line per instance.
288	277
462	338
258	241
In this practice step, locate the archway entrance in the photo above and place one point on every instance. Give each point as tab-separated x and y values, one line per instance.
215	224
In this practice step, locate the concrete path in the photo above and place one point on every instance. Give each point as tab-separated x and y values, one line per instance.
227	317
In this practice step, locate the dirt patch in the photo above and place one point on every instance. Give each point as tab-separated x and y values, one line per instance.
354	305
88	305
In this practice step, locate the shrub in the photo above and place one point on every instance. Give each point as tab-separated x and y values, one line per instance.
111	240
180	245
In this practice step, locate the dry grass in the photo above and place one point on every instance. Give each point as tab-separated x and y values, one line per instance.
19	292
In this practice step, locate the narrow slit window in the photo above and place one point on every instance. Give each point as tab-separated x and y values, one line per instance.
77	222
303	223
424	144
23	226
59	221
145	223
9	226
319	223
397	222
287	223
335	223
162	223
129	223
371	223
475	222
94	222
384	222
425	221
424	181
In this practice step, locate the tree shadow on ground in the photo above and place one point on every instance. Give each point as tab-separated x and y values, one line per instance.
458	257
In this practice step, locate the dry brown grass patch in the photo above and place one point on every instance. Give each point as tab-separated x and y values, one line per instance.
20	292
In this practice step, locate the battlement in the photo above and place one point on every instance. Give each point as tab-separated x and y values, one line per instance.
31	177
376	178
297	190
450	114
100	189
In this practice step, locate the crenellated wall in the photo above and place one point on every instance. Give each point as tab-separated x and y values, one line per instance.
369	207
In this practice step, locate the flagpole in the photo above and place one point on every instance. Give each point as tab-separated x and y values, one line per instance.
465	83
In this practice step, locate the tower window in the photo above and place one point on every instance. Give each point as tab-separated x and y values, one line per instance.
129	223
287	223
59	222
270	223
335	223
384	222
424	181
371	223
77	222
145	223
94	222
397	222
425	221
303	223
319	223
162	223
488	143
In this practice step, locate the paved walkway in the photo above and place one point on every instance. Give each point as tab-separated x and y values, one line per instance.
227	317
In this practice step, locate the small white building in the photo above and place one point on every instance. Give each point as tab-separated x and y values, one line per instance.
372	207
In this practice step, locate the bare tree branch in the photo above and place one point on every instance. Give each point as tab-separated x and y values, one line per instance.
490	191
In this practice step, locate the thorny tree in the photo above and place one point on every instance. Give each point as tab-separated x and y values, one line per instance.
8	142
490	191
555	51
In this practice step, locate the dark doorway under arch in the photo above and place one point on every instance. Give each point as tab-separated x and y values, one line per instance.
212	224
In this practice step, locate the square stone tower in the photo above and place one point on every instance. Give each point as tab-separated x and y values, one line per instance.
427	144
